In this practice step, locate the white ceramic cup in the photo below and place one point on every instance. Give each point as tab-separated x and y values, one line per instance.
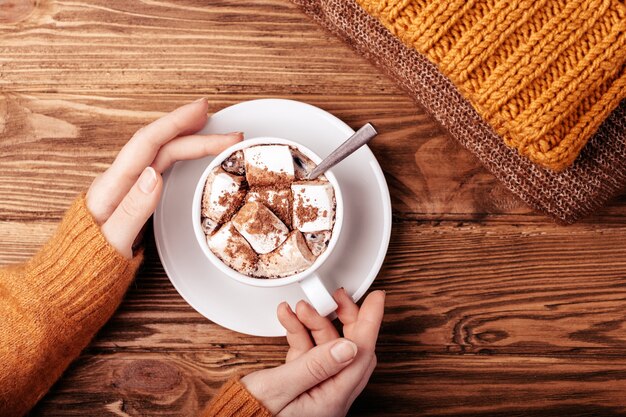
311	283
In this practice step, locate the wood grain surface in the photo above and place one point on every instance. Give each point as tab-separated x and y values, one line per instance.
493	310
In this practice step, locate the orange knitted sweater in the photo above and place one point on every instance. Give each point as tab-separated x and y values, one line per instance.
52	305
543	73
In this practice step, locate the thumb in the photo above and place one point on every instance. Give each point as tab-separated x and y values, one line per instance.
277	387
121	229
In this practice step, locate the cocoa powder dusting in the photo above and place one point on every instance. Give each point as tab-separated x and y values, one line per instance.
236	200
244	214
259	207
238	247
265	177
223	199
279	201
305	212
263	223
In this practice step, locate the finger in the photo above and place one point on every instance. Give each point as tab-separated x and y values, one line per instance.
354	378
321	328
364	334
347	310
277	387
193	147
362	383
297	335
105	195
129	217
368	323
142	148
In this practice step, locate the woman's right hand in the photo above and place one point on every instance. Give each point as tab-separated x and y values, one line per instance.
323	373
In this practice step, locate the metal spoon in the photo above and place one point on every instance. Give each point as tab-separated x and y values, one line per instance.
354	142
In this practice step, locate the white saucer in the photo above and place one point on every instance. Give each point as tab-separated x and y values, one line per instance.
358	255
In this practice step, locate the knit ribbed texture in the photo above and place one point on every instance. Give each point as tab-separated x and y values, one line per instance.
51	307
544	73
233	400
597	175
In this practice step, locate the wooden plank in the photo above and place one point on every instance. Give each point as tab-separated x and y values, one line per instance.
481	289
404	384
72	138
54	144
176	46
107	51
492	309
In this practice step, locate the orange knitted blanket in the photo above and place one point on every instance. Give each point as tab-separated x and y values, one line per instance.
543	73
525	85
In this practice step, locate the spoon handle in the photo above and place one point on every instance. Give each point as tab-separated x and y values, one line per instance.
354	142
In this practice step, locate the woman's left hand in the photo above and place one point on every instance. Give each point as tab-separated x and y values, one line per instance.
323	373
123	197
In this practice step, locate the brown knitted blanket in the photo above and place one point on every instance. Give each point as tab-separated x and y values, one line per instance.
597	175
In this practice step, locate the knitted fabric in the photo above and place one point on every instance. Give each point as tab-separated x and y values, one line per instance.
597	175
233	400
53	305
543	73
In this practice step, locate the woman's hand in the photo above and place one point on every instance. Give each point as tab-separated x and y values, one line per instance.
321	380
123	197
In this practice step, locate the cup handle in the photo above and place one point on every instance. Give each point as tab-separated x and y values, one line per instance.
318	295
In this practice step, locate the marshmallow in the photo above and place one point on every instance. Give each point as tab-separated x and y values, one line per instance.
232	249
290	258
223	194
277	200
313	205
268	165
261	228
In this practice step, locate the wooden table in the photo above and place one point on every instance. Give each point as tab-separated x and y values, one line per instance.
493	310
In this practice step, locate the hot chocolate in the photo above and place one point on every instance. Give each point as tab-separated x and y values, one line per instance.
260	215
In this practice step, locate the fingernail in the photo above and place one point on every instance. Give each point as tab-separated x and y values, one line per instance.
343	351
200	99
147	180
304	303
235	133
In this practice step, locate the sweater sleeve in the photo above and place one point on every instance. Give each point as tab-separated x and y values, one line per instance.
52	306
234	400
